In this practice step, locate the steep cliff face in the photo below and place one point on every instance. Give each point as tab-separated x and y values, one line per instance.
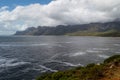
62	30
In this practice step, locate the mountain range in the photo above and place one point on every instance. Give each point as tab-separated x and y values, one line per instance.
81	29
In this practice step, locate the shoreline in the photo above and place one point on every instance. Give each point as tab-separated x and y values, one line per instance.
102	71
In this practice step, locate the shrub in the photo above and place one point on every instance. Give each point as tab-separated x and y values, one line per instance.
112	59
90	72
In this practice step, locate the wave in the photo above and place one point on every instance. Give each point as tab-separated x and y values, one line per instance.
117	52
68	42
41	69
4	62
63	42
43	44
101	49
54	56
48	69
28	44
17	45
103	56
116	44
97	50
92	51
77	54
66	63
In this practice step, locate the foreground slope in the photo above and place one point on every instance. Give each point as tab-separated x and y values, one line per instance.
108	70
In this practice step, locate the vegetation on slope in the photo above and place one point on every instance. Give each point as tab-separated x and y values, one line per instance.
110	33
108	70
80	29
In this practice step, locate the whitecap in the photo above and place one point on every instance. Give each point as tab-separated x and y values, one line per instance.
44	44
18	63
5	45
117	52
101	49
54	56
64	42
68	42
70	64
2	61
29	44
32	69
48	69
103	56
66	63
77	54
7	64
11	60
93	51
116	44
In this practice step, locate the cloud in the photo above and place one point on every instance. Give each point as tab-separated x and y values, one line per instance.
59	12
4	8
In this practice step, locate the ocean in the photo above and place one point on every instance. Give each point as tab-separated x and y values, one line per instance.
26	57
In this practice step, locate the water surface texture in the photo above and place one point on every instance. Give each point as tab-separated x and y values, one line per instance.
26	57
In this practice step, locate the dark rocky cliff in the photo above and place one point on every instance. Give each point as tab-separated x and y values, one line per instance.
62	30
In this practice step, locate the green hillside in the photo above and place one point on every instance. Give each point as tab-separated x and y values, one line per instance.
108	70
91	29
110	33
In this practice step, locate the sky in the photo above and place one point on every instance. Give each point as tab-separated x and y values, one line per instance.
14	3
18	15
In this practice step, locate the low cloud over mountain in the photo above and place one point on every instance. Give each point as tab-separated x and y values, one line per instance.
58	12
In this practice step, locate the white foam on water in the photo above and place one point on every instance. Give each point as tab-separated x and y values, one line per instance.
5	45
48	69
29	44
77	54
54	56
70	64
66	63
63	42
116	44
92	51
13	64
68	42
103	56
18	63
101	49
11	60
117	52
44	44
2	61
18	44
5	62
34	69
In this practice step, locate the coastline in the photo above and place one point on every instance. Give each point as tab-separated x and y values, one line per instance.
108	70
